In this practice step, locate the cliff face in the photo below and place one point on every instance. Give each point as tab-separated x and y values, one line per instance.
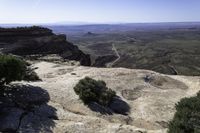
39	41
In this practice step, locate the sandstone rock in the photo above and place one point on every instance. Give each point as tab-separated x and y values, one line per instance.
65	113
148	113
119	106
32	123
26	96
131	94
10	119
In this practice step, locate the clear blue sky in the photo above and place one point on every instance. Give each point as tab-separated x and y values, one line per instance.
100	11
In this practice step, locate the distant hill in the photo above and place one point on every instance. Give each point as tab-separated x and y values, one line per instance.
170	48
102	28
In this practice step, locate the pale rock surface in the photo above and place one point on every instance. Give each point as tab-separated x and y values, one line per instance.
151	101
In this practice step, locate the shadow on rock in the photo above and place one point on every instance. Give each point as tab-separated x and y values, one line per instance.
100	109
24	108
117	105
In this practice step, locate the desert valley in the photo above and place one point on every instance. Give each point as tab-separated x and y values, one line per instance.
149	69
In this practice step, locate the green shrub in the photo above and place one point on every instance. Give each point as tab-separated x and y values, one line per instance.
90	90
187	117
11	69
14	69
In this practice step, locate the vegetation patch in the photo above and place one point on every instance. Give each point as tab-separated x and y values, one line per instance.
90	90
14	69
187	117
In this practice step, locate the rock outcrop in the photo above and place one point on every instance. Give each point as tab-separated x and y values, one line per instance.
151	97
39	41
20	102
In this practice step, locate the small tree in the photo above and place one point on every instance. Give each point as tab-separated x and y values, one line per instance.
187	117
90	90
11	69
14	69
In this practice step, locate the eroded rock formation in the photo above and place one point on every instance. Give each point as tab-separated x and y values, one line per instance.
39	41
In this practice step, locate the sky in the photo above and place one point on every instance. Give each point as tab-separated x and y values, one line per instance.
99	11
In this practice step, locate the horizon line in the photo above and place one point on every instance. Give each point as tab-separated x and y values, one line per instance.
96	23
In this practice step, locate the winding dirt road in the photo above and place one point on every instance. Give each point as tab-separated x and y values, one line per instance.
118	56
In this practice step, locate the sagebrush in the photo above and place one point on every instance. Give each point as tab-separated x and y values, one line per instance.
90	90
15	69
187	116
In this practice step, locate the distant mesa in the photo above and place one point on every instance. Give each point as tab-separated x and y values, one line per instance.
25	41
90	34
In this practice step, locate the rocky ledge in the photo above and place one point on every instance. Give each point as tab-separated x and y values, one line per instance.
38	41
51	105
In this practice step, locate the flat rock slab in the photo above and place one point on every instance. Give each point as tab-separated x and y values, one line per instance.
151	104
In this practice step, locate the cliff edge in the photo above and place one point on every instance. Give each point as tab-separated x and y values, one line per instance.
38	41
151	102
